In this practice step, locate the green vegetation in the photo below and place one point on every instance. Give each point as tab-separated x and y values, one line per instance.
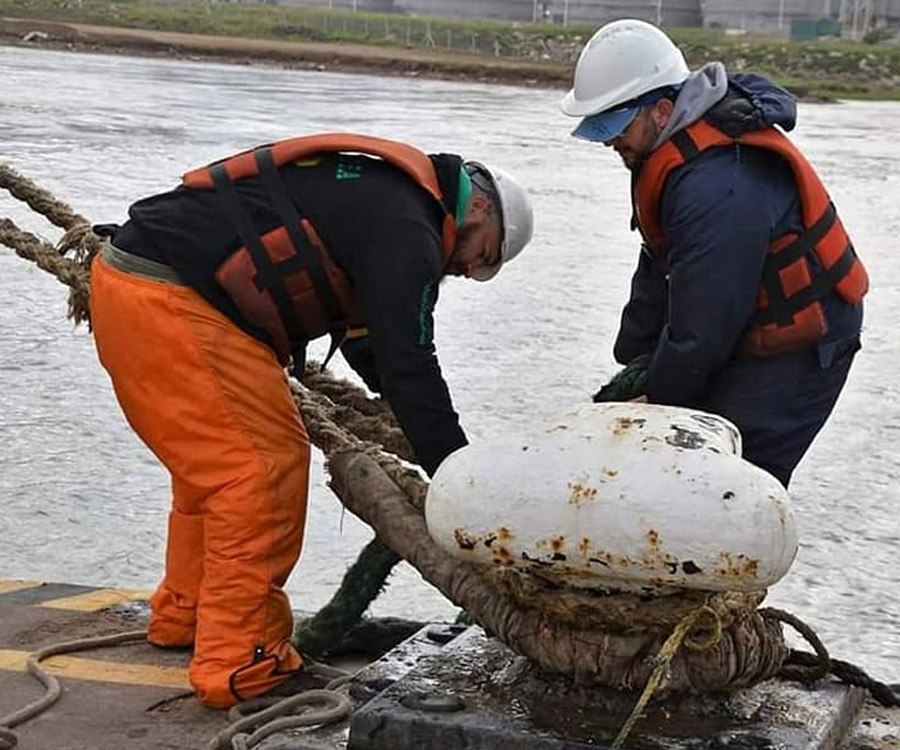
821	68
826	69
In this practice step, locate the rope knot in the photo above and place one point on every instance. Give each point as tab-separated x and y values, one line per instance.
704	631
81	241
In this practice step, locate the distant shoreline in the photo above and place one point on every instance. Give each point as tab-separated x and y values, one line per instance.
322	56
820	71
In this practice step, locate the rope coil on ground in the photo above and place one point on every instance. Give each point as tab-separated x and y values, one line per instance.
272	715
50	683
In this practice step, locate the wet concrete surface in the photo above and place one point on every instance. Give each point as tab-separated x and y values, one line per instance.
93	714
136	696
877	728
447	687
479	695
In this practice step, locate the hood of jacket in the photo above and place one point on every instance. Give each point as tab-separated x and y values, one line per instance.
770	104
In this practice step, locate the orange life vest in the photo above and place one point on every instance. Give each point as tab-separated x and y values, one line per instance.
790	315
284	281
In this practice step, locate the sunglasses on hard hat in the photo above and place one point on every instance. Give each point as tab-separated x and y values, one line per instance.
481	178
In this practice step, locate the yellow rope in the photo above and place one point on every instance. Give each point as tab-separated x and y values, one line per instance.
680	635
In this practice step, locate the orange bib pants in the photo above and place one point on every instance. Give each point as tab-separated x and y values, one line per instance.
214	406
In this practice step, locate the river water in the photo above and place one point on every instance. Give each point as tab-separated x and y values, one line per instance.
83	501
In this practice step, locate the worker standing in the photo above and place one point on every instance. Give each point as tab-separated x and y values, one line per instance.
747	297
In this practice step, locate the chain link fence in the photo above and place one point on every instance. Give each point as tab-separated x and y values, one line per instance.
429	33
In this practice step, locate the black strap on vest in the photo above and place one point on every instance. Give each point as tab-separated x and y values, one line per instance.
822	285
306	258
267	277
685	145
805	243
781	309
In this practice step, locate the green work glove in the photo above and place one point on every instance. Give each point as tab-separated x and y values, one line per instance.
630	382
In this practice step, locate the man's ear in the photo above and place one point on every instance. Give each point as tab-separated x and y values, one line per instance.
479	205
661	112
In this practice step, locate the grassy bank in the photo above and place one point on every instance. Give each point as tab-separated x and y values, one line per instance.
821	69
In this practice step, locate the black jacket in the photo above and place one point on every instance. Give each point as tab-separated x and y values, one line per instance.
381	228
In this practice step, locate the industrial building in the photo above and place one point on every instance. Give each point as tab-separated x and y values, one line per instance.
749	15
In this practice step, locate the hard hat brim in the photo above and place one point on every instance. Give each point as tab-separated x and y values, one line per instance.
605	126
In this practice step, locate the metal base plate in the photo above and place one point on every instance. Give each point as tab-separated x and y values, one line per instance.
476	694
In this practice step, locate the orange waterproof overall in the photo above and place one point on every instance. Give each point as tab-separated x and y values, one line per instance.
214	405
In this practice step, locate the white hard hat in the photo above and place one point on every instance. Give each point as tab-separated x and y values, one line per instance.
622	61
516	213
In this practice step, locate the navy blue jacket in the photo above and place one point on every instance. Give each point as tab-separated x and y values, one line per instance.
719	213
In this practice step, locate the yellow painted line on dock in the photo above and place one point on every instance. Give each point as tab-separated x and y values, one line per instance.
8	586
100	671
91	601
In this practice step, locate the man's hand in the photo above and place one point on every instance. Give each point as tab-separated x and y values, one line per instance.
628	384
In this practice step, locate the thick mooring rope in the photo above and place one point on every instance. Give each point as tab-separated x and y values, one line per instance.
39	200
360	586
366	425
47	258
801	666
78	237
